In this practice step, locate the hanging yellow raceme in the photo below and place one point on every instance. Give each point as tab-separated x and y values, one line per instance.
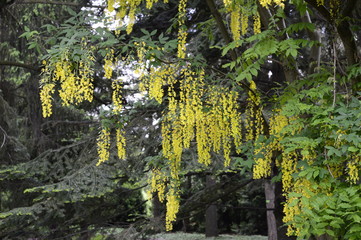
354	167
244	22
117	96
75	79
267	3
172	209
256	23
128	8
182	30
120	137
46	92
235	22
108	64
289	167
254	119
262	167
157	183
103	143
293	205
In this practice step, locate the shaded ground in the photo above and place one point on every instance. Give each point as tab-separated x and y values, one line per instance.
199	236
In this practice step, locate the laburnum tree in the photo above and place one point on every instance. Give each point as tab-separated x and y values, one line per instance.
267	88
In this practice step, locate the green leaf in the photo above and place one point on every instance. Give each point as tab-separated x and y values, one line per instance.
254	72
353	149
355	228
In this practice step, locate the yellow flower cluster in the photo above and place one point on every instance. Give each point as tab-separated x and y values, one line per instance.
202	138
103	143
149	3
120	143
85	78
262	167
182	32
320	2
335	8
117	97
277	123
291	209
336	170
223	121
235	23
186	120
154	79
46	93
110	6
256	24
244	22
172	209
228	4
295	205
142	63
158	183
254	118
267	3
108	64
239	20
354	168
288	165
128	8
158	78
76	81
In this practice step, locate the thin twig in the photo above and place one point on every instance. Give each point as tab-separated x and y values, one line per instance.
334	74
5	136
328	167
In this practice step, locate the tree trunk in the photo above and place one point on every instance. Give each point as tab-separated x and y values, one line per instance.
269	190
211	212
156	206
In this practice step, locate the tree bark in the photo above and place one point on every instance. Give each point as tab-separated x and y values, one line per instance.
211	212
269	188
156	206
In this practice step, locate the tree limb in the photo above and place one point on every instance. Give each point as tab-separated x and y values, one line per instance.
50	124
344	31
211	194
217	16
72	4
18	64
348	7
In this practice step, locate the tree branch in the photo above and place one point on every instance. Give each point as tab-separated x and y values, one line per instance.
5	136
348	7
344	31
321	9
22	65
211	194
50	124
217	16
72	4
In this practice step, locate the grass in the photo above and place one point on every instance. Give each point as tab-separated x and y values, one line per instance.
199	236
